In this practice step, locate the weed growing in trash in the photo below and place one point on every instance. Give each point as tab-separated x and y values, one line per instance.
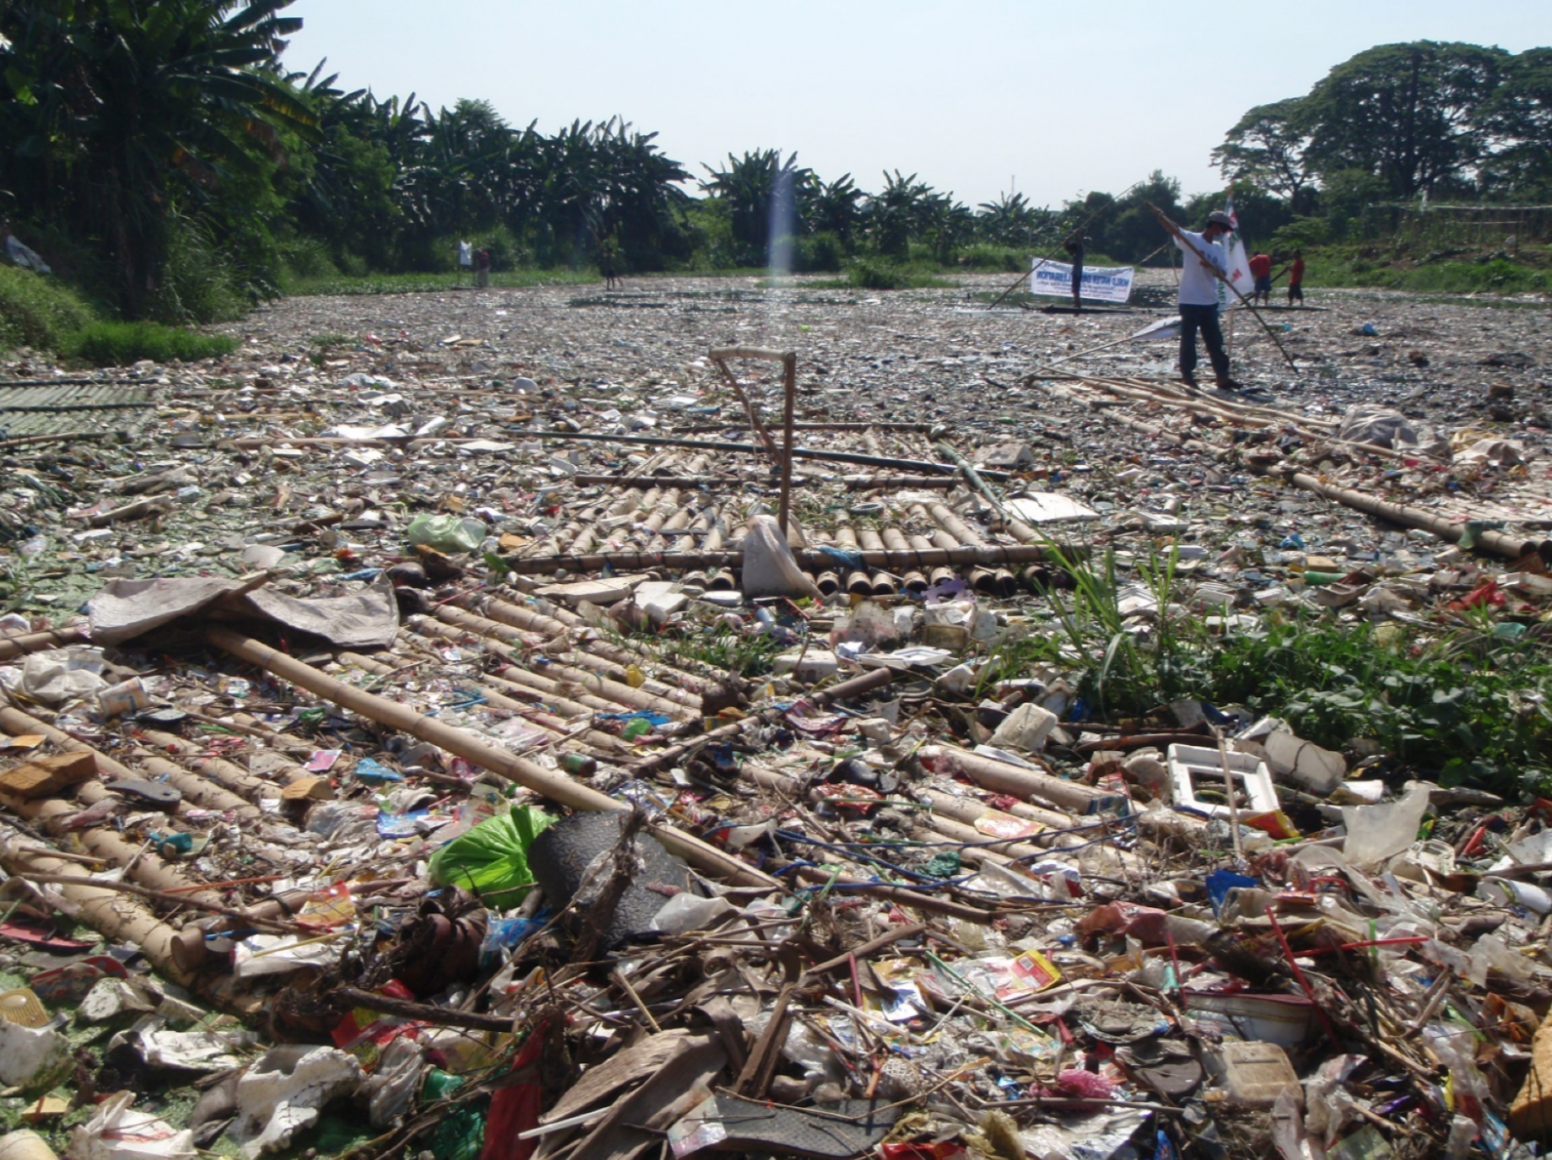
1465	706
1128	667
720	647
323	344
748	656
1469	705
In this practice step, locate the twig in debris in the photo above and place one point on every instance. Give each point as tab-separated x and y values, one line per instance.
422	1012
761	1065
1060	1102
1228	788
619	977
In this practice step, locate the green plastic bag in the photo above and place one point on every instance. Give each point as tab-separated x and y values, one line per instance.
491	860
446	533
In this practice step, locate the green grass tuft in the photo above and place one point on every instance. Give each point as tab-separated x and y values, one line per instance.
108	344
37	310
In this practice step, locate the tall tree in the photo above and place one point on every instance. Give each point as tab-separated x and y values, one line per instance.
761	190
899	214
1267	148
117	113
1009	221
1520	116
1409	114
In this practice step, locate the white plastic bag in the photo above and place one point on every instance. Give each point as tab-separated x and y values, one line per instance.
118	1132
770	569
1375	833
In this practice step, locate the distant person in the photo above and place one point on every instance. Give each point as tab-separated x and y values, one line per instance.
1199	276
1296	278
1074	248
482	267
606	261
1261	271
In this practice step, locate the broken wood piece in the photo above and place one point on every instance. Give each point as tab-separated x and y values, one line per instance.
48	775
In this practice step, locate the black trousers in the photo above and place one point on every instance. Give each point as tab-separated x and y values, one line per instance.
1204	318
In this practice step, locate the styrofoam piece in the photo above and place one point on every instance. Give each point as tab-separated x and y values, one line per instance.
1025	728
1193	766
1256	1073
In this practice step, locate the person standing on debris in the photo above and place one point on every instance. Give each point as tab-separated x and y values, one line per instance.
1198	299
1296	278
1261	271
482	267
1074	247
606	259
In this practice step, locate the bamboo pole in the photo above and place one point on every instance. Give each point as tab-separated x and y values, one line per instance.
690	481
912	578
752	449
897	482
883	583
857	581
1498	543
926	555
12	646
487	755
1002	777
109	912
507	612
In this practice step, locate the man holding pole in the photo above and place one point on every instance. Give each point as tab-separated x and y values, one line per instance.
1205	262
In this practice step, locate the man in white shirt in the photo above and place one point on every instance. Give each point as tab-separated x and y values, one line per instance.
1199	298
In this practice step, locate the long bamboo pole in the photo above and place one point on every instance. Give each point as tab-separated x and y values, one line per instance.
810	560
752	449
1496	542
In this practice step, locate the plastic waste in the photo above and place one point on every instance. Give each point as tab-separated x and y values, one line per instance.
770	569
25	1145
118	1132
1318	770
446	533
1375	833
284	1091
491	860
1026	728
32	1058
686	911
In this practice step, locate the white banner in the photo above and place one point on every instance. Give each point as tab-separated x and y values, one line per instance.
1100	283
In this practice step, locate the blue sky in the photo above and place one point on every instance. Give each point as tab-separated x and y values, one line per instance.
977	97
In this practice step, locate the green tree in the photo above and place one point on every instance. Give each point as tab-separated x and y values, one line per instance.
117	116
1010	221
1411	115
1520	117
831	207
898	214
1267	149
762	192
